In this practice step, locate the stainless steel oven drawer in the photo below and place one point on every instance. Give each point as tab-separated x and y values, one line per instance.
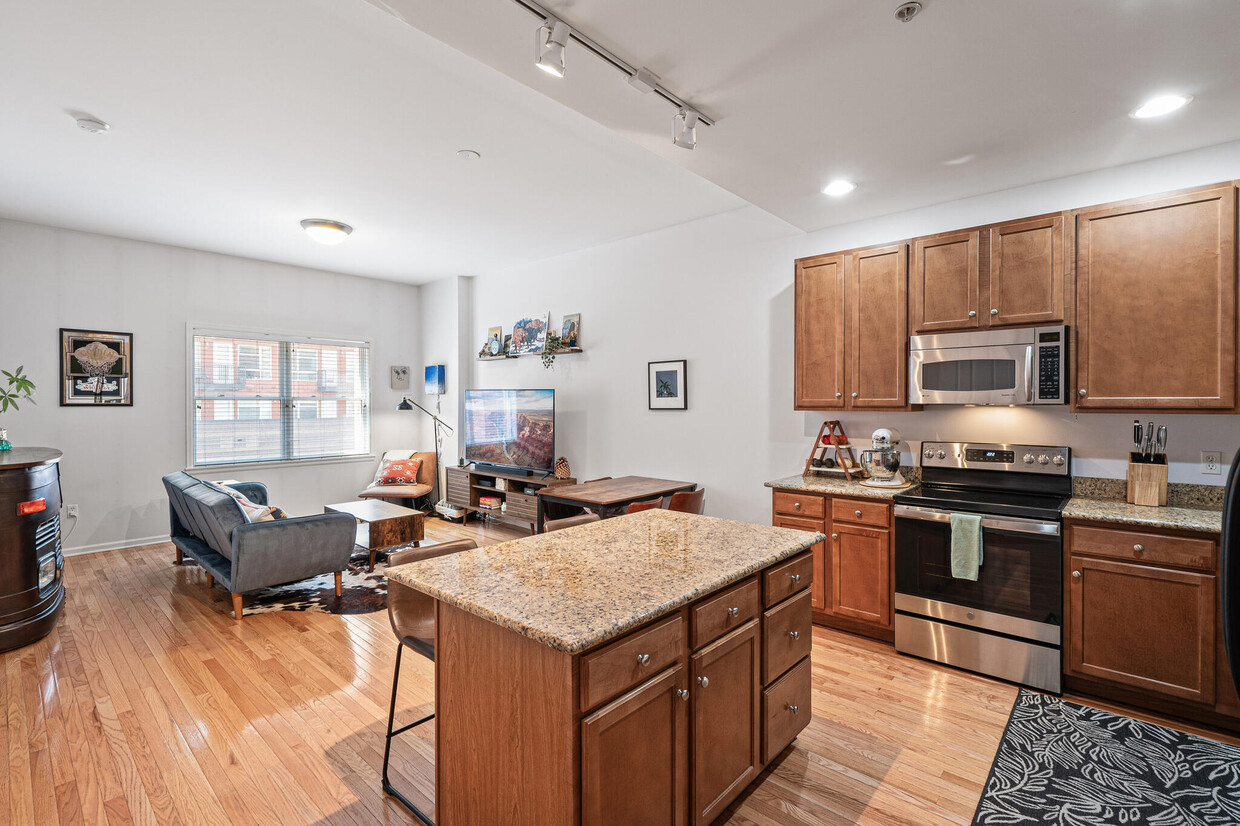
1037	666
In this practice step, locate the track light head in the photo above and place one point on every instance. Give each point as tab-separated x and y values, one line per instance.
684	128
549	47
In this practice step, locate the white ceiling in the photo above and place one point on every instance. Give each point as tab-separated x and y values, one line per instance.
809	90
232	120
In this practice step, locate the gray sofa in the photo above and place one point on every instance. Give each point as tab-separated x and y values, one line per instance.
208	526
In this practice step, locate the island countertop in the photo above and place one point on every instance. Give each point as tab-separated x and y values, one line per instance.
574	589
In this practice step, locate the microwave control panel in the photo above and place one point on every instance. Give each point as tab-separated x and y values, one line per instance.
1051	351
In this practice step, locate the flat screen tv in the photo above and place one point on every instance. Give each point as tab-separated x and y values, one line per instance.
511	428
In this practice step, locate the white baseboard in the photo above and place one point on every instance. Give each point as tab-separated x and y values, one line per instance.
81	550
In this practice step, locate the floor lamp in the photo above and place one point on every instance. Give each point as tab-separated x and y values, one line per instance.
408	404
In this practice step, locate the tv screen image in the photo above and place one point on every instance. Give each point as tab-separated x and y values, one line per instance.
514	428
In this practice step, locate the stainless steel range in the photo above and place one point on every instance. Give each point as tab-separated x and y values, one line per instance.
1008	623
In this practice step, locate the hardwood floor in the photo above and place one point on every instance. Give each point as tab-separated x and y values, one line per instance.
149	705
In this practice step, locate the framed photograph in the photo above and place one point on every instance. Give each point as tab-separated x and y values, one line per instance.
570	330
96	368
667	388
529	334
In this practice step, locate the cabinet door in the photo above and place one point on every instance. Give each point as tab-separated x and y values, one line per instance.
819	333
634	756
727	693
1156	303
1026	272
943	286
862	576
1145	627
821	585
878	330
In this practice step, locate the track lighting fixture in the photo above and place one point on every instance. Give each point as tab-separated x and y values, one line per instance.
684	128
549	46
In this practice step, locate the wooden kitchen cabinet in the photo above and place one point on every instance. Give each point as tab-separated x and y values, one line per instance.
1156	303
851	330
944	284
821	586
635	756
727	694
862	574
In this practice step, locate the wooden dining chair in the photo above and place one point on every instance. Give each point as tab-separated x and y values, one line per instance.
688	501
637	507
558	515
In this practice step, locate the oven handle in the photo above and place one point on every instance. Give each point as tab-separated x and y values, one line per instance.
1000	523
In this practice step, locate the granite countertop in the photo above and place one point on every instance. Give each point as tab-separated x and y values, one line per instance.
837	485
1119	511
576	588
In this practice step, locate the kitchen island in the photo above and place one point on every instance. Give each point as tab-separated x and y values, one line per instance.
639	669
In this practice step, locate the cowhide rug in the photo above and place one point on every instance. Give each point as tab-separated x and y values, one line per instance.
362	592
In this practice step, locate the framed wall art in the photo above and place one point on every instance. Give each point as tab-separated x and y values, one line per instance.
667	389
96	368
529	334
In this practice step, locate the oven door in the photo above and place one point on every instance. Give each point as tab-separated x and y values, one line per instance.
1019	585
994	374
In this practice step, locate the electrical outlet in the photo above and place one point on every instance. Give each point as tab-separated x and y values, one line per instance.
72	511
1211	462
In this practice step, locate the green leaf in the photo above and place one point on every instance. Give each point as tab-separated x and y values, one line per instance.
7	373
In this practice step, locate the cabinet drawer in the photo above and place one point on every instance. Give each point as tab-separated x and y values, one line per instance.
521	506
800	504
626	662
783	580
718	615
860	511
1150	548
786	635
785	710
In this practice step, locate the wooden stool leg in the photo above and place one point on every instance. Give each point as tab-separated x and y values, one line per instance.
370	569
210	582
237	607
180	556
338	575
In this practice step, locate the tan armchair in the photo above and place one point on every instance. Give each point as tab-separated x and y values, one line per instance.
404	494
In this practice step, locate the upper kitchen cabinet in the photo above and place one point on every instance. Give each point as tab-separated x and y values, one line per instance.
1004	275
819	332
1156	302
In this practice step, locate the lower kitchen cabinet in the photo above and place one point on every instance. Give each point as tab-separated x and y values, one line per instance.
861	574
635	756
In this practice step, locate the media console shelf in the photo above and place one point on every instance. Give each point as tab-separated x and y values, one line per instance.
518	492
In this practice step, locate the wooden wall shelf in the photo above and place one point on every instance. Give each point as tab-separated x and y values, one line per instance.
570	351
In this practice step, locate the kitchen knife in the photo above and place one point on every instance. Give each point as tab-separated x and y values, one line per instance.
1149	440
1136	434
1162	442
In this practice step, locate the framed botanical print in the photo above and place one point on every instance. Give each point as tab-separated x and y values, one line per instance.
96	368
667	389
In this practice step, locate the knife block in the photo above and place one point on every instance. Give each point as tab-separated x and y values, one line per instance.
1147	483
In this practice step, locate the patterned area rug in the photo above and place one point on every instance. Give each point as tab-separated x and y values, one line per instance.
1067	764
361	592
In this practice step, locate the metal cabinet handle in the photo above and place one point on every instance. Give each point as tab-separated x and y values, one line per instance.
682	693
796	635
993	311
856	513
733	612
838	394
972	313
796	505
796	578
1138	548
643	659
1076	574
794	709
1081	392
835	536
854	395
703	681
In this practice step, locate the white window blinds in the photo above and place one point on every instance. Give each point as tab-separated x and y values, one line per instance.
266	399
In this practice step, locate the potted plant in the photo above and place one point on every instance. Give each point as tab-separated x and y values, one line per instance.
554	345
15	388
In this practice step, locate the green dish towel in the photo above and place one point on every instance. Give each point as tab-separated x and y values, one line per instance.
966	545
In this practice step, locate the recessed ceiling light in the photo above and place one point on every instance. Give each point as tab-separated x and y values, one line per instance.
1160	105
93	125
325	231
549	47
961	161
838	188
468	154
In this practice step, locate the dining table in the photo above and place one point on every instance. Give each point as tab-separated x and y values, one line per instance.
609	497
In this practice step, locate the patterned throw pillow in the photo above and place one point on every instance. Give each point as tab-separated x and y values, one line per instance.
252	511
399	472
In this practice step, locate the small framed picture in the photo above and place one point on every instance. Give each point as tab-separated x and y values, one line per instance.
529	334
96	368
667	387
400	377
570	330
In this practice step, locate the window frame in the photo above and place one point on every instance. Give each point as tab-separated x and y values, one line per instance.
280	338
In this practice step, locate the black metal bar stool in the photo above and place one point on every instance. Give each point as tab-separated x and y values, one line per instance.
412	614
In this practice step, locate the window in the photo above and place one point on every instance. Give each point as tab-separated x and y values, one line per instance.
266	399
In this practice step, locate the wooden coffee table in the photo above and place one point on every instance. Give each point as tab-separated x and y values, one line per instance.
382	525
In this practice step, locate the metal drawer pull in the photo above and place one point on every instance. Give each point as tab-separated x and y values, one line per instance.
1138	548
796	579
994	311
856	513
643	659
732	612
796	635
703	681
1076	574
682	693
796	505
794	709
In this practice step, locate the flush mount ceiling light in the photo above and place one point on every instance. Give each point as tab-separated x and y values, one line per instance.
92	125
684	128
1160	105
325	231
838	188
907	11
549	46
552	38
468	154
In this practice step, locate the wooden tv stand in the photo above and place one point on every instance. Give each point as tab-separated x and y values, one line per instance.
466	485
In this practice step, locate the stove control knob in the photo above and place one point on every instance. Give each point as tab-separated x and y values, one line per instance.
941	454
1044	459
1057	459
929	454
1028	458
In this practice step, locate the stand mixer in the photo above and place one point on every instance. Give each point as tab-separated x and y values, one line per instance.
883	462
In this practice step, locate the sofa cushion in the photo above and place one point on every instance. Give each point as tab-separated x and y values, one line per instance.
399	472
252	511
394	491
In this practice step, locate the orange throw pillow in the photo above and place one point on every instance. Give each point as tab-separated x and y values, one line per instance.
399	472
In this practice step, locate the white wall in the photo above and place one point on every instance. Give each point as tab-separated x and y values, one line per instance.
445	336
114	458
718	292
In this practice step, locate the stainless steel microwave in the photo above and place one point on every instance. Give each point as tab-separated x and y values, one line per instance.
1027	365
